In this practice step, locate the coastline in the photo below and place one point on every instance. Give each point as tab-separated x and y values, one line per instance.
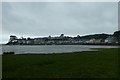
49	49
104	44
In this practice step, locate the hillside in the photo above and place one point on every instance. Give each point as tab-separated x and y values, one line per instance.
96	36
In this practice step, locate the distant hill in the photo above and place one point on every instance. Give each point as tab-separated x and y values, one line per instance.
96	36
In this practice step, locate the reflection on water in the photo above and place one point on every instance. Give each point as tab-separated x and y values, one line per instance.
49	48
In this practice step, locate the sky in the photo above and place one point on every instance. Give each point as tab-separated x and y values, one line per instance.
39	19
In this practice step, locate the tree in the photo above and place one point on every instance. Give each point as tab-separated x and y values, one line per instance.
117	35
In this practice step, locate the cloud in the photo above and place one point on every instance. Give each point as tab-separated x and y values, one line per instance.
54	18
61	1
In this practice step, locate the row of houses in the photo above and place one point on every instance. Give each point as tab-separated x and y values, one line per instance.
110	39
60	40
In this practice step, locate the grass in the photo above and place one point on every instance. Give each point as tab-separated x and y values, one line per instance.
0	66
86	64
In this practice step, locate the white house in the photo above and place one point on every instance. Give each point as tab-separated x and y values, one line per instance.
111	39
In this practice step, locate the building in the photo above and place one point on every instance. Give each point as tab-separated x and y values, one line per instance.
62	40
111	39
12	38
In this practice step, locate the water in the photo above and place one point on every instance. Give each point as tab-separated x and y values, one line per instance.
18	49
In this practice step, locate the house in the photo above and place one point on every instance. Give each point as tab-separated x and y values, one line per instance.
111	39
12	38
39	41
99	41
90	41
30	41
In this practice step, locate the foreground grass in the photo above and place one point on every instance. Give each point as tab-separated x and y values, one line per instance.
88	64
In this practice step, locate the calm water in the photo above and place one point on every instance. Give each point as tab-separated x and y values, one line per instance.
48	48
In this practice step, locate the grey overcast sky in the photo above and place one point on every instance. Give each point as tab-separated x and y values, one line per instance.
36	19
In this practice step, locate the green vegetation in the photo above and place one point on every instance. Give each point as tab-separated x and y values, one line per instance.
117	35
96	36
0	66
86	64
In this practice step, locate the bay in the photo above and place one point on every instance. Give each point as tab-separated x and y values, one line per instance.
46	49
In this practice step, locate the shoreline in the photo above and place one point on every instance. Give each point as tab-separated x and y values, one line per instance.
65	44
38	53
